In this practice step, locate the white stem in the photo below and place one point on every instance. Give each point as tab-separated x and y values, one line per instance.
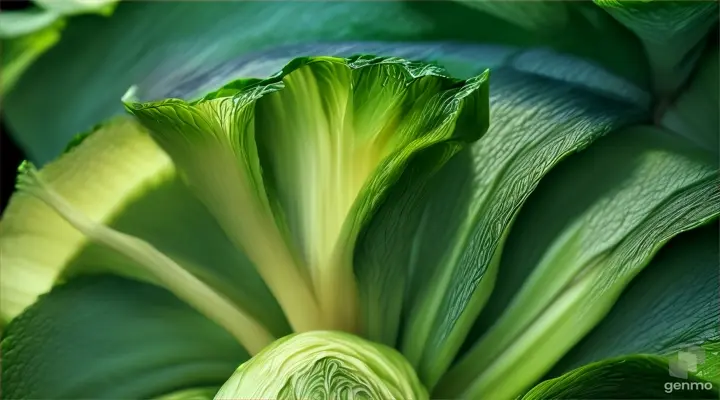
249	332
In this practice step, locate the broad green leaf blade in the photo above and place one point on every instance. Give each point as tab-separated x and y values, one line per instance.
695	114
119	177
160	46
635	190
671	305
449	232
307	155
107	337
672	32
631	377
573	27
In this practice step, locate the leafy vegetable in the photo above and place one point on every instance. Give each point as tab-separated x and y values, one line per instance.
323	365
305	165
348	222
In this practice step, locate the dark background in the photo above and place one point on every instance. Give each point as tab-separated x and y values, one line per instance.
10	154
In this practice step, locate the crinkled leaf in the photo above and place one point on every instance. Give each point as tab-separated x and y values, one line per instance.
293	167
450	231
674	303
324	365
160	46
591	226
107	337
673	33
118	176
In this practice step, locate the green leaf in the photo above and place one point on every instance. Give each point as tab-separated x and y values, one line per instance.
72	7
119	177
450	231
293	167
166	48
107	337
630	377
24	22
573	27
18	53
191	394
590	227
669	306
27	34
672	32
694	114
324	365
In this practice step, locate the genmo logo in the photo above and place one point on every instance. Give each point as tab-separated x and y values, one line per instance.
685	362
675	386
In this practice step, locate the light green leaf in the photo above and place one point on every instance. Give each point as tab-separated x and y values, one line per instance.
119	177
669	306
630	377
324	365
71	7
169	48
695	114
293	167
708	366
107	337
633	191
450	231
672	32
24	22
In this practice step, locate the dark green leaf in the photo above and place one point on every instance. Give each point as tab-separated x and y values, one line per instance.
673	33
459	222
674	303
589	228
107	337
161	46
695	114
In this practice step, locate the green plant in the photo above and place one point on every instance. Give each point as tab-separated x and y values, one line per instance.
365	225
